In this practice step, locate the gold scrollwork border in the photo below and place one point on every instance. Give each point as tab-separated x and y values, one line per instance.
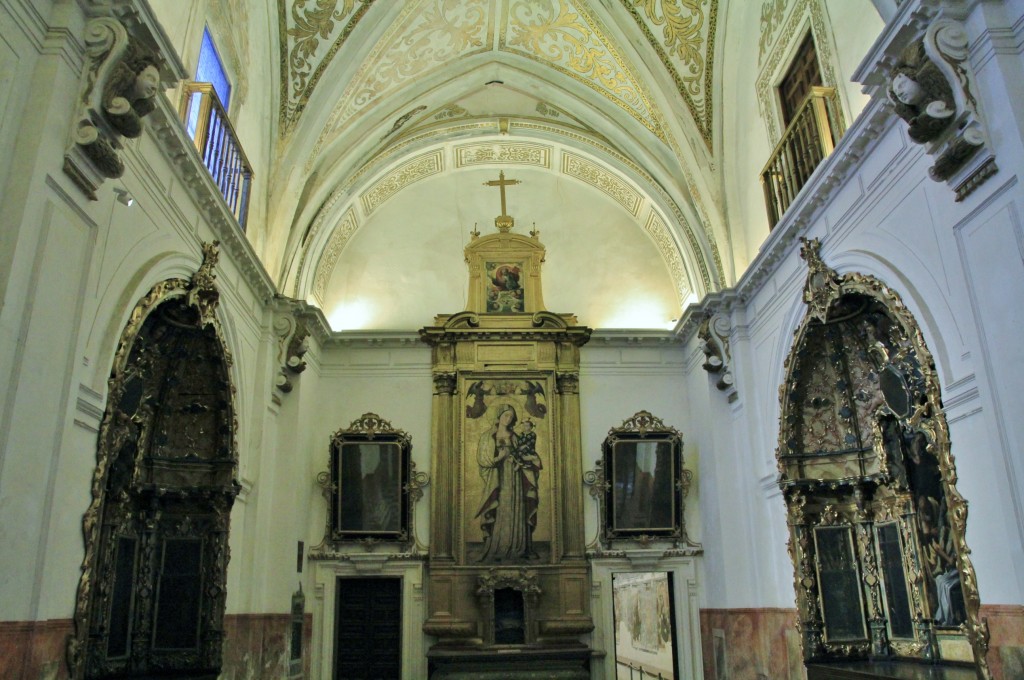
823	283
201	293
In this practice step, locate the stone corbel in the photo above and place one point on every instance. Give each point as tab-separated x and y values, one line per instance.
295	322
932	88
122	76
714	339
293	343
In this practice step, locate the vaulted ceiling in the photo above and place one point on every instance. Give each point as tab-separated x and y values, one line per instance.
392	115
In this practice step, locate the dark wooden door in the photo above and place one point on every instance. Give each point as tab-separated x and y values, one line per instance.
368	625
803	74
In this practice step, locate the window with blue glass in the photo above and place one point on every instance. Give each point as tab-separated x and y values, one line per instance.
209	70
205	115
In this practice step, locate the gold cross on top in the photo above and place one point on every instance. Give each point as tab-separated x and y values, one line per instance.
501	183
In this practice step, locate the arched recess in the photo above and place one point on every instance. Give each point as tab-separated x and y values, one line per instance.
877	526
152	592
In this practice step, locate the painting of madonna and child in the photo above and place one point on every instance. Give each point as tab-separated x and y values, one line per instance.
506	446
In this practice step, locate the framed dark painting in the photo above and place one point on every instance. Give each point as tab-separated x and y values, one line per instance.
370	468
643	464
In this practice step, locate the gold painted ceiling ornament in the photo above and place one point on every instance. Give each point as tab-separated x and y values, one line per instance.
504	221
426	37
566	36
686	50
772	14
311	32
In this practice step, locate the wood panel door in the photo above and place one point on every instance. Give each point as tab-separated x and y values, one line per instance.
368	629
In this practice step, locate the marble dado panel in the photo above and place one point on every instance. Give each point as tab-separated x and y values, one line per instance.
34	649
742	643
510	153
257	646
410	172
1006	644
751	643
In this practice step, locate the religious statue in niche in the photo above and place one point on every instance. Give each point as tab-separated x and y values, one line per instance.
504	287
510	467
914	466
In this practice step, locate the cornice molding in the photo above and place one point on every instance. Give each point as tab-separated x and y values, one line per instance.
169	135
830	176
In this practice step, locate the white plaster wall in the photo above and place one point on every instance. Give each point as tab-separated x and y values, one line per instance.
74	270
959	268
747	145
241	30
395	383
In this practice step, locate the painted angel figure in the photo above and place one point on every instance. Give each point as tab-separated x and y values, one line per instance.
510	467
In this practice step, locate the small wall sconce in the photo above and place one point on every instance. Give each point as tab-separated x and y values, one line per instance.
124	197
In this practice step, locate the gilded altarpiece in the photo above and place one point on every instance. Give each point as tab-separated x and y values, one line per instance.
877	526
506	563
152	594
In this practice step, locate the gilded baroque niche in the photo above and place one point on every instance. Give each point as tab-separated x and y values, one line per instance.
153	588
877	526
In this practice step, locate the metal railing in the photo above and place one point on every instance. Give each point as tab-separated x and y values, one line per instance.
208	125
810	137
636	671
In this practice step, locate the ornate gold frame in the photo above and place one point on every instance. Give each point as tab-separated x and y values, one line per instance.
823	288
200	293
640	427
370	428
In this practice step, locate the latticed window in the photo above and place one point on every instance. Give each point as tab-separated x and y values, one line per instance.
811	116
803	74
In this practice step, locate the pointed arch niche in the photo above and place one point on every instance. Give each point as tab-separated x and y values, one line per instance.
152	593
877	526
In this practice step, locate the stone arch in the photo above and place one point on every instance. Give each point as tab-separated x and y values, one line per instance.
877	525
152	593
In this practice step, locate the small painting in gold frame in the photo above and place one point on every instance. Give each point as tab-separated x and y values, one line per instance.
505	281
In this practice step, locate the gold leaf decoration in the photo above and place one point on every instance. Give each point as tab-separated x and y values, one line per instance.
772	14
311	33
659	233
411	171
427	36
686	49
565	36
339	238
514	153
596	176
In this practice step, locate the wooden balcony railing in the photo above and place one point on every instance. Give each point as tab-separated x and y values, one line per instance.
207	124
806	142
